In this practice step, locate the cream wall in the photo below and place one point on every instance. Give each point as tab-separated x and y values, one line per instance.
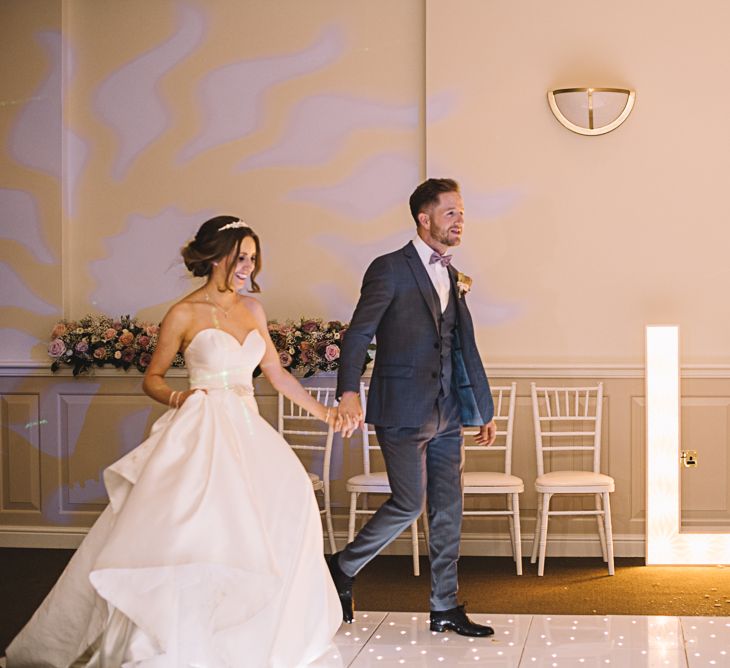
577	242
123	125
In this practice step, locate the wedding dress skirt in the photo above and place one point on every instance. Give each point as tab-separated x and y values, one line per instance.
210	551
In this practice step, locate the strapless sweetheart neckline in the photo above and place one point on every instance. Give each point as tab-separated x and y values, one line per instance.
223	331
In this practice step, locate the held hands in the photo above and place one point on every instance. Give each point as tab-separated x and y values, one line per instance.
350	412
331	416
487	434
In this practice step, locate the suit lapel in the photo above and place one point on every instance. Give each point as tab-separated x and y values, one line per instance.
460	303
423	281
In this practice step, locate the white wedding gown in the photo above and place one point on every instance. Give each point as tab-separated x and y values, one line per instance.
210	551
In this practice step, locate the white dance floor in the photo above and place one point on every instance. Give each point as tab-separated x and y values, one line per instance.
534	641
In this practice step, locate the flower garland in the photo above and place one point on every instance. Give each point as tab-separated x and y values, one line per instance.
97	340
307	345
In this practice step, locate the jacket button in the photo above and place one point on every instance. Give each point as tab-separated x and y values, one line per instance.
434	375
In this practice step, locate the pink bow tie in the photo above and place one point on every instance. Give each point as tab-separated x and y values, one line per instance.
445	260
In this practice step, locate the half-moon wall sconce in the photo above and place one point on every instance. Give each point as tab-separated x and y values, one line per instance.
591	111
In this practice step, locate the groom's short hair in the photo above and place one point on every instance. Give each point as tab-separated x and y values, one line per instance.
428	194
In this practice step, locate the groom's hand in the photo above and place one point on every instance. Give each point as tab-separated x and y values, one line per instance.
350	411
487	434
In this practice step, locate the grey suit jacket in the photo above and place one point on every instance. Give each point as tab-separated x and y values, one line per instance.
399	306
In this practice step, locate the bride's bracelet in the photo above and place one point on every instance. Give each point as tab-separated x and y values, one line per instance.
171	398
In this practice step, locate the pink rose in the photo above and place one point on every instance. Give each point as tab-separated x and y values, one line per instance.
310	325
143	341
82	346
285	358
144	359
58	330
109	334
117	325
56	348
100	353
332	352
152	330
128	355
126	337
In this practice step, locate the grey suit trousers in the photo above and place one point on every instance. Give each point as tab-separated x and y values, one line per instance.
420	461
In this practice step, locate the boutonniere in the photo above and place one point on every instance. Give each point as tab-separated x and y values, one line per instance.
463	283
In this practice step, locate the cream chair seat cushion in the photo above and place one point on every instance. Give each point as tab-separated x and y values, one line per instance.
375	479
573	479
492	479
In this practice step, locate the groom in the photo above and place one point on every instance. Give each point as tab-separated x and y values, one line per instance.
428	381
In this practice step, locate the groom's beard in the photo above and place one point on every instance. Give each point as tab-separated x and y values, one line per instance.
446	238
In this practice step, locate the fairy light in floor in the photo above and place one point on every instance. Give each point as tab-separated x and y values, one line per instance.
587	640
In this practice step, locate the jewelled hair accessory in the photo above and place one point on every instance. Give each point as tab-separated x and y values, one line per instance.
236	224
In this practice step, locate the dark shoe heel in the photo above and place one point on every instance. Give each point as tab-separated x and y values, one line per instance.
343	585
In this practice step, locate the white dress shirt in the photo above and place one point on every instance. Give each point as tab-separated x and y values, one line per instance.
438	274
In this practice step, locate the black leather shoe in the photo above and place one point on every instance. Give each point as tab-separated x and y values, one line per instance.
456	620
343	584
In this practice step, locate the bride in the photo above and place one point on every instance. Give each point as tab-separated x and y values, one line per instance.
209	553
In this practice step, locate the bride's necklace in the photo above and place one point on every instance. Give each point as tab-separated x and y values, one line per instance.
212	302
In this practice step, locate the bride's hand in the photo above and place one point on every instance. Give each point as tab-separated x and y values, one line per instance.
185	394
331	416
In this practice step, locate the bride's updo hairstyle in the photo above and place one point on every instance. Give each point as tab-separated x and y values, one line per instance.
218	239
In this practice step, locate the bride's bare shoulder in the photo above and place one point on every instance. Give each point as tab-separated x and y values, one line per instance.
180	315
256	310
252	304
191	299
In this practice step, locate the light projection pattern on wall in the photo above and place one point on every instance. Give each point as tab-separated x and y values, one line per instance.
35	137
14	292
20	222
34	143
157	274
335	118
664	542
377	184
232	96
351	257
129	100
16	345
130	430
75	156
